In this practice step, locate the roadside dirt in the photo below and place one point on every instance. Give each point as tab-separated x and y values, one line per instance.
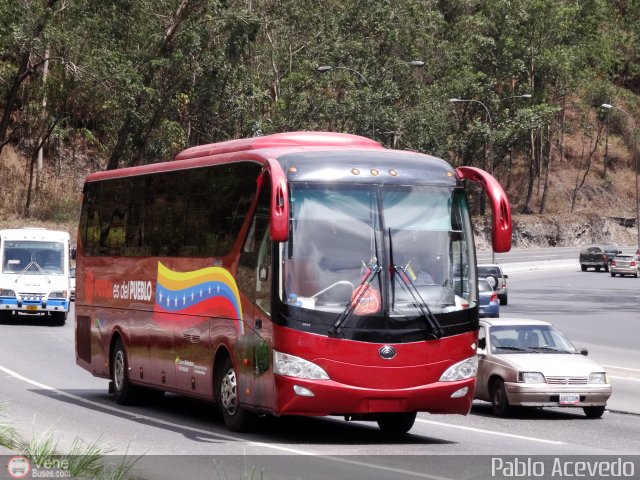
562	230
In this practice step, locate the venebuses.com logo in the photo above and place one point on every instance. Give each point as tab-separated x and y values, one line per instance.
18	467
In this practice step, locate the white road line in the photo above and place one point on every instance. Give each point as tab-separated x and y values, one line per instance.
491	432
137	416
622	368
626	378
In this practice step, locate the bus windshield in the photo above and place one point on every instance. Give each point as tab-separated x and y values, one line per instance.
417	240
33	257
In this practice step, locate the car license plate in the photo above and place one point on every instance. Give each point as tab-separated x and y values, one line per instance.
569	398
32	307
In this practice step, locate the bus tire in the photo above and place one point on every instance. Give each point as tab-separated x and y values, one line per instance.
124	392
58	318
236	418
396	423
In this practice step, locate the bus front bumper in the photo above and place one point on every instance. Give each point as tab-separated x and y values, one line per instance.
297	396
34	307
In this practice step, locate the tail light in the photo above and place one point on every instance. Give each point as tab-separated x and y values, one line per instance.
613	263
494	297
633	263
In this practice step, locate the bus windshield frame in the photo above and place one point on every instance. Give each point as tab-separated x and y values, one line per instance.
417	238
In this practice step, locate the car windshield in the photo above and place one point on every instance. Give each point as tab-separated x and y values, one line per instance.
483	286
528	338
341	233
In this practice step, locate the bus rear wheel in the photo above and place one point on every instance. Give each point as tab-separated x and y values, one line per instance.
396	423
236	418
124	392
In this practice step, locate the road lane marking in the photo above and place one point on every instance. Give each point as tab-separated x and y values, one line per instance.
491	432
137	416
622	368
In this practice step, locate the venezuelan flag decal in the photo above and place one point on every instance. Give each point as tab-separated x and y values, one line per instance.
210	291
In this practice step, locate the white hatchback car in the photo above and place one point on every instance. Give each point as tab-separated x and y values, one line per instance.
530	363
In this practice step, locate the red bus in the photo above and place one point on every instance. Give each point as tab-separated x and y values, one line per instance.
301	273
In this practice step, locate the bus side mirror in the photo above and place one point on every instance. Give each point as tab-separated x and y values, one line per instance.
279	209
501	223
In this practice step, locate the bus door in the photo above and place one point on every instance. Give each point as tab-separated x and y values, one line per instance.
255	279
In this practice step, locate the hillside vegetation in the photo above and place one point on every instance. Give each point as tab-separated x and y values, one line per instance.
88	85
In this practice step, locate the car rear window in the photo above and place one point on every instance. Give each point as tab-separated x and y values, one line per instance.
484	286
484	271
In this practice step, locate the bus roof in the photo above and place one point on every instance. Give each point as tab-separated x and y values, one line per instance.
305	149
280	140
34	233
256	147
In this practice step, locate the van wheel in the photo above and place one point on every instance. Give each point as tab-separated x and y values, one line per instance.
583	268
236	418
396	423
499	400
124	392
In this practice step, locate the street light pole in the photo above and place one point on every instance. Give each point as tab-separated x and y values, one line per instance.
608	106
327	68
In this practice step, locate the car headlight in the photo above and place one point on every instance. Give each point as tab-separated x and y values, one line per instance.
60	294
461	370
598	377
5	292
292	366
532	377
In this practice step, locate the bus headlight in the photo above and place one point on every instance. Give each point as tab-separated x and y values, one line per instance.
292	366
5	292
60	294
461	370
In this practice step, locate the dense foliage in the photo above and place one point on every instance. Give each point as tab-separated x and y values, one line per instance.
139	80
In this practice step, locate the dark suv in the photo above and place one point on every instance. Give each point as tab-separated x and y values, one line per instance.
497	279
598	256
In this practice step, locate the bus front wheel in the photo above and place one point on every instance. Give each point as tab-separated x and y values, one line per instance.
396	423
236	418
124	392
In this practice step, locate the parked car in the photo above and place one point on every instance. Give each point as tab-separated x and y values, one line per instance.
530	363
489	303
625	265
497	279
72	283
598	257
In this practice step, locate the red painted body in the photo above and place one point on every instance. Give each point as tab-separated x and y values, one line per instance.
175	349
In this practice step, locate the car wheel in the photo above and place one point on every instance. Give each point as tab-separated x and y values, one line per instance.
613	274
598	268
235	417
503	300
583	268
594	412
124	392
499	400
493	281
396	423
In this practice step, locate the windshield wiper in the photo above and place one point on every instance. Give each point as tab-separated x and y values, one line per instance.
428	315
35	264
516	349
374	268
549	349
